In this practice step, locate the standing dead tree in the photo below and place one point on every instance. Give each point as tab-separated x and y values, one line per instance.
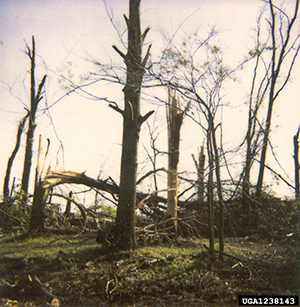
39	196
35	98
258	91
174	119
180	69
200	167
281	48
132	120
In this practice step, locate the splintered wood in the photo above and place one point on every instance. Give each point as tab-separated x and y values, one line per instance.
174	119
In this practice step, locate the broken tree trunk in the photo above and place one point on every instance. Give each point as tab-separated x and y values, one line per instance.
200	165
37	213
174	119
67	212
35	98
67	177
39	197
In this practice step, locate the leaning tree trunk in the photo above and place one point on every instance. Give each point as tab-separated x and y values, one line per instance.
276	64
34	101
249	153
132	120
12	157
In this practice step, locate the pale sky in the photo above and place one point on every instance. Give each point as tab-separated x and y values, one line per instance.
72	31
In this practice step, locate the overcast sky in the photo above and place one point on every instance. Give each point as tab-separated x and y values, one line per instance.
70	32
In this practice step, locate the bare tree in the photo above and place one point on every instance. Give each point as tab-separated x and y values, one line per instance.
35	98
281	48
132	120
258	91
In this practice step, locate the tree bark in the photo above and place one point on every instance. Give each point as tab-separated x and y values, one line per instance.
125	220
174	118
210	194
38	207
219	184
40	193
34	100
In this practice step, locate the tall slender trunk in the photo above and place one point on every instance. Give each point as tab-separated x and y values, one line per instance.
219	184
267	131
213	147
275	70
249	137
210	194
34	100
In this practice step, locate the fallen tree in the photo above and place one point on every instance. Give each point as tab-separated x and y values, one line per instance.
153	207
108	185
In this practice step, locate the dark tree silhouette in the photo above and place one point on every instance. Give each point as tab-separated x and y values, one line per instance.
132	120
13	155
35	98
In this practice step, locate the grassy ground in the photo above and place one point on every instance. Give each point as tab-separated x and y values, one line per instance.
76	271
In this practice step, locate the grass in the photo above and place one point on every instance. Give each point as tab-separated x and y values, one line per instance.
176	273
19	246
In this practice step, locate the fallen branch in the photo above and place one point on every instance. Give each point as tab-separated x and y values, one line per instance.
13	218
244	263
28	288
68	241
78	205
